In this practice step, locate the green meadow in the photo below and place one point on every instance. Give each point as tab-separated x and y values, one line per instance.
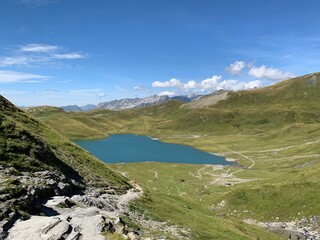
271	133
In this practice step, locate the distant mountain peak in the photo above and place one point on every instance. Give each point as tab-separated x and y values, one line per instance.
128	103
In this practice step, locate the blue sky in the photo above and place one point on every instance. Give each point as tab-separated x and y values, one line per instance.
60	52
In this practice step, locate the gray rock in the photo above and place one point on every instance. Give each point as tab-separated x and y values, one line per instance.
312	81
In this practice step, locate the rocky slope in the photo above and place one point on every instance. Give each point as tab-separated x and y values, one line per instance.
93	215
132	103
143	102
52	189
36	163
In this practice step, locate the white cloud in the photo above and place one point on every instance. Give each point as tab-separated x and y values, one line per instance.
269	73
137	88
35	54
69	56
42	48
9	61
167	93
210	83
171	83
190	84
235	85
101	95
214	84
236	67
15	77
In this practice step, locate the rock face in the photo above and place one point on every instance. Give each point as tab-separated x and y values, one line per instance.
208	100
88	216
187	98
132	103
79	224
23	194
83	216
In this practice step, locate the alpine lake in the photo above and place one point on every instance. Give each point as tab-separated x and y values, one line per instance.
129	148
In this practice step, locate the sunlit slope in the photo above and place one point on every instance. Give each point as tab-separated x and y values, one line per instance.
28	145
292	101
272	132
289	102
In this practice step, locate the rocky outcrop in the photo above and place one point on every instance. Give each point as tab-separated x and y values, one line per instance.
91	215
207	100
22	194
83	216
303	229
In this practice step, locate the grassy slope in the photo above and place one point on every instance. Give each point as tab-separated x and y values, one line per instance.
29	145
278	127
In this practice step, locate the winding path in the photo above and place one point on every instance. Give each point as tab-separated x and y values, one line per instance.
155	175
242	155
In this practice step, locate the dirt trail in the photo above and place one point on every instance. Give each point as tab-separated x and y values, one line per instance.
223	176
201	169
187	136
291	146
155	175
242	155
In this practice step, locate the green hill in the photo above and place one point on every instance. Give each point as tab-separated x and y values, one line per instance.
273	132
289	102
36	162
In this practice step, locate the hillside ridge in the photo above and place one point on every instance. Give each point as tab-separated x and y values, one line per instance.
37	163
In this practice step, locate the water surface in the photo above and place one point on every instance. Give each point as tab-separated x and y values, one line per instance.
125	148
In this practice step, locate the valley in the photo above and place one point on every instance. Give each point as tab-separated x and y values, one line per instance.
272	133
159	120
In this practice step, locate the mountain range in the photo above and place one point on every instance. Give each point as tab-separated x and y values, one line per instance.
128	103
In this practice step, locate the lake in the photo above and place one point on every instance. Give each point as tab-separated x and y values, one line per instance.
127	148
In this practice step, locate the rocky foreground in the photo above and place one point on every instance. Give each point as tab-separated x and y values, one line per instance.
77	217
91	213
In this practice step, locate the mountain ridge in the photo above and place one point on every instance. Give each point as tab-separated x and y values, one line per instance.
128	103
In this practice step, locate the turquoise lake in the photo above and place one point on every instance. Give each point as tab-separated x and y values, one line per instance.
127	148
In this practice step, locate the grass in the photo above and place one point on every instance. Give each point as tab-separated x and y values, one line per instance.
28	145
277	128
182	199
113	236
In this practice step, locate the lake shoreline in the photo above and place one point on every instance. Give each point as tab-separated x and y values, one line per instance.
141	148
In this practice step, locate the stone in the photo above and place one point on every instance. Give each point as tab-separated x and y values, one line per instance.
131	236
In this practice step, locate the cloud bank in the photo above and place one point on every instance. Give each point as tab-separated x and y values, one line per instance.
270	73
214	83
35	54
240	69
